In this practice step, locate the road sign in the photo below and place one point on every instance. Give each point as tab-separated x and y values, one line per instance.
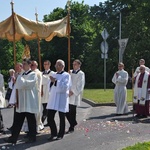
104	47
104	56
104	34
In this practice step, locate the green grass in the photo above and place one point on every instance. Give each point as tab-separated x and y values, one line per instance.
139	146
101	96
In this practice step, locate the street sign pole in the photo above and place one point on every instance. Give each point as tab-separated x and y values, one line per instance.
104	49
104	73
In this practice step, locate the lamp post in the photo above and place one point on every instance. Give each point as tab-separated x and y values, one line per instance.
120	55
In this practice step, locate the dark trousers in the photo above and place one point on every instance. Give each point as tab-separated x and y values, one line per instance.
71	116
52	123
1	122
18	122
44	113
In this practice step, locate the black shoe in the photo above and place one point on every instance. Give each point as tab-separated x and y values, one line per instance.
30	140
59	137
26	136
75	124
137	116
2	132
9	140
143	116
10	129
46	125
52	138
71	130
119	114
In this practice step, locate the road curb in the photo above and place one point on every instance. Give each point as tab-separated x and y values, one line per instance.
93	104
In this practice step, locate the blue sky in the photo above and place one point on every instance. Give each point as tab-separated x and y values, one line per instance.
27	8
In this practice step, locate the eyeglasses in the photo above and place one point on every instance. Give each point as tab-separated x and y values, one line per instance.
74	64
25	63
32	64
46	64
58	65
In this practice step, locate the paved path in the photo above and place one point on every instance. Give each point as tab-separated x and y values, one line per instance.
98	129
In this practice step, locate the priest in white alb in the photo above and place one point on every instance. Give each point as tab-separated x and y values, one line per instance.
120	80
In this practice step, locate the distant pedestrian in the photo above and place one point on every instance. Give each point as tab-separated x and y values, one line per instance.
120	80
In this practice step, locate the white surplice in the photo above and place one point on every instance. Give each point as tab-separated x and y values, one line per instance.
120	91
78	82
27	86
46	86
59	93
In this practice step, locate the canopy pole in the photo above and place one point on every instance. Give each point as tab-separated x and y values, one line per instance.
14	32
38	42
68	30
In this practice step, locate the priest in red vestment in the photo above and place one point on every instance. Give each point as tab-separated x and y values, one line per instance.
142	93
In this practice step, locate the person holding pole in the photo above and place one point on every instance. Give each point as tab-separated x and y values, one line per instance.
120	80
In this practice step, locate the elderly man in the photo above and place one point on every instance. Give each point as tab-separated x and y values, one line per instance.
12	101
120	80
137	71
141	93
27	104
58	100
75	93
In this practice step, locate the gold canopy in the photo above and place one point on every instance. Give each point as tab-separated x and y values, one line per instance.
29	30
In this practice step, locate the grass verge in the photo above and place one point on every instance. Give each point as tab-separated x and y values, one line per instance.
139	146
101	96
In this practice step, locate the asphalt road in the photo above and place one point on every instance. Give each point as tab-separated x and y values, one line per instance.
98	129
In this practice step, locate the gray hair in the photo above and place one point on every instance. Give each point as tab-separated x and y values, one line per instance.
12	70
61	62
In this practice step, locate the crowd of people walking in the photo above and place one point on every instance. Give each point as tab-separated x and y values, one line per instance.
36	97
